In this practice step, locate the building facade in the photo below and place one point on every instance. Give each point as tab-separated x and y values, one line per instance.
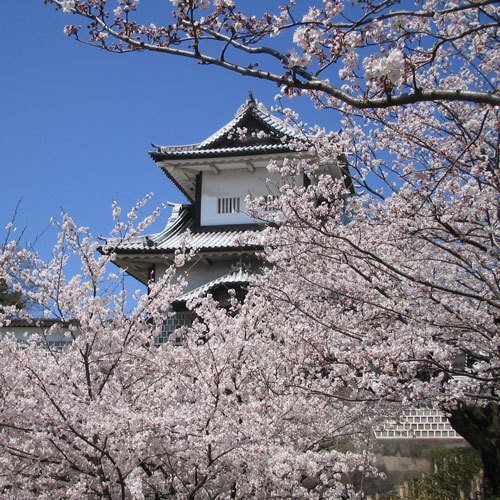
216	176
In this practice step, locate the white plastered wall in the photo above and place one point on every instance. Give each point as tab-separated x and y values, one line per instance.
234	183
201	272
27	333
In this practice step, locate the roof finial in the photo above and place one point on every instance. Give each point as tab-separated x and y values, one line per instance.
250	95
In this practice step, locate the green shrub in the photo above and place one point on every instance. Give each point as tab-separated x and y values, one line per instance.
453	472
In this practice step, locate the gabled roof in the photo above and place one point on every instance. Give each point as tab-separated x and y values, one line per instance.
252	131
181	232
230	280
254	136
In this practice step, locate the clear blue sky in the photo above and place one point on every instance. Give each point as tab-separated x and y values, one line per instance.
76	122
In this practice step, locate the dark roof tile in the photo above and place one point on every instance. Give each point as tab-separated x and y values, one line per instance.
180	232
274	131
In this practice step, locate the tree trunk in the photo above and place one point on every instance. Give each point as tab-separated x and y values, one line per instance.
480	426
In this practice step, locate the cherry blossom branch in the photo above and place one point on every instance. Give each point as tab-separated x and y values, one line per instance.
295	74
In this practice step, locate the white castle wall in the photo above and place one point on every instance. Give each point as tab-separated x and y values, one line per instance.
201	271
234	183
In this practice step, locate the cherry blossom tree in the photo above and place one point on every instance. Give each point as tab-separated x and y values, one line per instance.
112	415
365	54
400	300
394	290
9	296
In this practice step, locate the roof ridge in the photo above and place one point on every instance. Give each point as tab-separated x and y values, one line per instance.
180	223
251	107
226	128
180	147
259	112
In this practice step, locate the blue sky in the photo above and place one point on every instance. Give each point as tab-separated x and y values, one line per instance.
76	122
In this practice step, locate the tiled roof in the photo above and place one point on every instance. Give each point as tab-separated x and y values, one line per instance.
251	139
257	110
180	232
226	151
237	277
222	143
